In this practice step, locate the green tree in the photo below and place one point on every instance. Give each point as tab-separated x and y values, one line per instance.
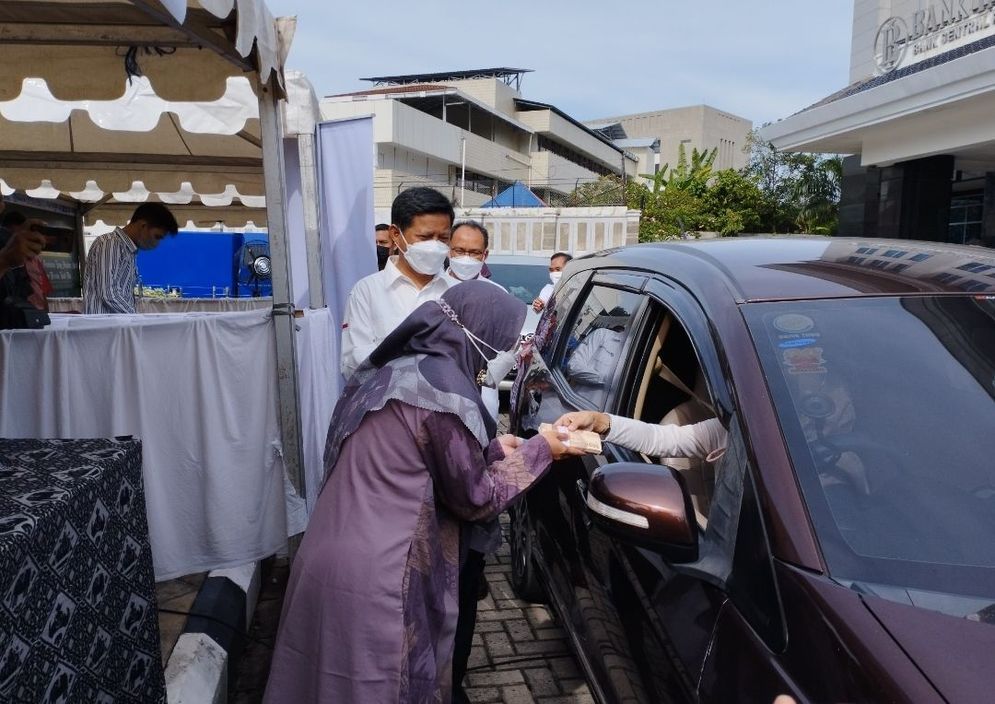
801	192
734	203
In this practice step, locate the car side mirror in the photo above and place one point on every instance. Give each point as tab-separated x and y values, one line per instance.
647	506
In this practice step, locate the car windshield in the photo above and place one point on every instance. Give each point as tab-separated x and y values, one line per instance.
887	408
523	281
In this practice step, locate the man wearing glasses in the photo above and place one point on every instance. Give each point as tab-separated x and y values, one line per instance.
468	252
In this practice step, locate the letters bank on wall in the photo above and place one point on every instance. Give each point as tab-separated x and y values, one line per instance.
918	121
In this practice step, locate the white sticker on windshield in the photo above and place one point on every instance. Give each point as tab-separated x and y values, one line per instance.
793	322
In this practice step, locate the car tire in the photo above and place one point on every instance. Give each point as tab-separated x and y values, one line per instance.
524	577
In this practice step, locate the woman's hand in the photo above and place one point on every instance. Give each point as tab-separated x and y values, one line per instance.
509	443
538	305
584	420
558	448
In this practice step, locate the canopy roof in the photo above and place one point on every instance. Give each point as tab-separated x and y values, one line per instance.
73	125
79	47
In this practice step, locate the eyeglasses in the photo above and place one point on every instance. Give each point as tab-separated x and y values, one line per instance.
475	253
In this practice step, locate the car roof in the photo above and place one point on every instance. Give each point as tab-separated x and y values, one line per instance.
786	268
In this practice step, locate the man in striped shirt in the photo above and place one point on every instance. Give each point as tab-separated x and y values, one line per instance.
109	282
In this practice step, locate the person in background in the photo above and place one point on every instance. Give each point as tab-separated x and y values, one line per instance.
412	456
556	264
381	236
468	250
16	249
421	221
41	286
109	281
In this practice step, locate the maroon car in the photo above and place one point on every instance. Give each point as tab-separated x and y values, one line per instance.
842	549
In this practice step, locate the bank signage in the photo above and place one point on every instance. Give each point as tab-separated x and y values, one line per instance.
935	29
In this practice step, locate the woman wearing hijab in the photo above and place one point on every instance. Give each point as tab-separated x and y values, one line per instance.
411	458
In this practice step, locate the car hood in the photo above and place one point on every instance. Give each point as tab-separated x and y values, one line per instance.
955	654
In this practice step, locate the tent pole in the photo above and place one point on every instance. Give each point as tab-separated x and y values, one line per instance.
307	156
283	307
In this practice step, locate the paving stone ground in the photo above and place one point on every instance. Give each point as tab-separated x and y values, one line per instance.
520	654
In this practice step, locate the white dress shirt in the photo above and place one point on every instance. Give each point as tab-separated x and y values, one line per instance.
546	293
489	394
109	283
377	304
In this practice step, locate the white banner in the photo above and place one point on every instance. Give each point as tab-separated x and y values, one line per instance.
348	251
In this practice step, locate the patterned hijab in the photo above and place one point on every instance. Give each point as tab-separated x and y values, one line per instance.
428	362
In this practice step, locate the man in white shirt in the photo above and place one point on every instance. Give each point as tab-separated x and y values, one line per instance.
109	282
468	249
421	221
556	264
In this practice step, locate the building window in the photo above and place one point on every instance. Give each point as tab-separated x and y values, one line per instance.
919	257
895	253
974	267
965	218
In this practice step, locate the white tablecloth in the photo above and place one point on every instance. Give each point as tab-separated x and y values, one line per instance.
199	390
173	305
320	383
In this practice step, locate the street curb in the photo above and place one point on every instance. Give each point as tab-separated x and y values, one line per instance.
204	661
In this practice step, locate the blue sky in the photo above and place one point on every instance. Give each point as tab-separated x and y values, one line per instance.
762	60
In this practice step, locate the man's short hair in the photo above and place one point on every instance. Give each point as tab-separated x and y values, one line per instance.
156	215
419	201
566	257
476	226
381	227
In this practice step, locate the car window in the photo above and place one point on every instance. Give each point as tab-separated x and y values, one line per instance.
887	408
594	343
557	309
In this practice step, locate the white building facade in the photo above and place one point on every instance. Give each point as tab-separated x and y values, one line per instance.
698	127
471	134
916	121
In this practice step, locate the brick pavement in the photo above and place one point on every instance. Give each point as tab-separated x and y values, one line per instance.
520	654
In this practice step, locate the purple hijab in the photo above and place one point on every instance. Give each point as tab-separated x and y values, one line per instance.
428	362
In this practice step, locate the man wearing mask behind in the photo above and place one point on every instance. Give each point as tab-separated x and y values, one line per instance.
421	220
381	236
556	264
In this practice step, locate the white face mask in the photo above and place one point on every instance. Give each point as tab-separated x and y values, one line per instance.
426	258
465	268
554	277
499	365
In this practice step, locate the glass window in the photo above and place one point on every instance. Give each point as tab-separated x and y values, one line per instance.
594	345
887	406
965	217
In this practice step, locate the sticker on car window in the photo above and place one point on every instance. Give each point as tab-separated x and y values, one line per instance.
797	342
793	322
804	360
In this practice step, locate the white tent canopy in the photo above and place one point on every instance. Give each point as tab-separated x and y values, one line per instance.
137	148
79	47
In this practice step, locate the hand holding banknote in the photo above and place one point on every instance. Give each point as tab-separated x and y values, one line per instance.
585	420
583	441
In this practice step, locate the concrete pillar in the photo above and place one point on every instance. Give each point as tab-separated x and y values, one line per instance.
914	199
858	214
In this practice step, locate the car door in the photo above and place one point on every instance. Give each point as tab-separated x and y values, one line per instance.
670	611
601	332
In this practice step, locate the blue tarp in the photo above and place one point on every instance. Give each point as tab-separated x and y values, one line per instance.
516	195
199	264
